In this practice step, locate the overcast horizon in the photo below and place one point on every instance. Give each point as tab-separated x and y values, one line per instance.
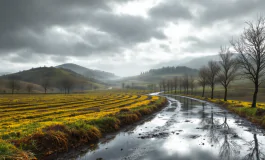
124	38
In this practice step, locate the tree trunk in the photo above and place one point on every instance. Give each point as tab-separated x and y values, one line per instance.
225	96
255	95
212	91
203	89
256	146
45	90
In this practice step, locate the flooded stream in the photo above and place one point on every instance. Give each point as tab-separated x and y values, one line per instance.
185	129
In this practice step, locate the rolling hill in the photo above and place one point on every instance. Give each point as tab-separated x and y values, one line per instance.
89	73
55	78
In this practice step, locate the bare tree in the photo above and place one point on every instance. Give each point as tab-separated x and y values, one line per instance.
251	49
164	84
160	86
180	82
185	83
202	80
176	84
13	83
191	83
229	69
29	88
67	83
168	85
45	83
172	86
213	70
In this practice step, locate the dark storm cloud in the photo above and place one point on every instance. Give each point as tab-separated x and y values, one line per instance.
30	29
28	25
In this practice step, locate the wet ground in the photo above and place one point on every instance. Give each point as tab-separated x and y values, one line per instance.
185	129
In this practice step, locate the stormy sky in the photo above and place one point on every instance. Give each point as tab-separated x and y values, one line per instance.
123	36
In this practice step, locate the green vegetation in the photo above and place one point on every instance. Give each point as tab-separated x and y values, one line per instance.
41	125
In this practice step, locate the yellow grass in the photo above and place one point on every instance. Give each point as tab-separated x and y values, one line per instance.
29	119
22	115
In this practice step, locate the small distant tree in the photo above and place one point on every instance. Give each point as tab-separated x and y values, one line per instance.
229	69
168	85
160	86
68	83
13	83
123	85
180	82
251	49
213	70
172	86
45	83
29	88
164	84
95	87
202	79
186	83
133	85
191	83
176	84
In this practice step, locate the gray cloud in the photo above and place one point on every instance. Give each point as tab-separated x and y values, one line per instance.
228	10
58	30
199	45
170	10
29	25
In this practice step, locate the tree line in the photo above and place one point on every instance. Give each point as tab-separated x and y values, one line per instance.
64	84
245	59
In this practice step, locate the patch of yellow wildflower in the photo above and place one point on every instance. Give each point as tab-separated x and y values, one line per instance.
22	115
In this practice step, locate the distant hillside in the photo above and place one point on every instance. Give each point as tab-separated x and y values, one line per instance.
156	75
55	77
89	73
197	63
4	73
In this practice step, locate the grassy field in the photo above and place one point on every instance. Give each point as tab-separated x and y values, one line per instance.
39	125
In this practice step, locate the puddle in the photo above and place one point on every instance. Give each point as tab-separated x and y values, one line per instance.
185	129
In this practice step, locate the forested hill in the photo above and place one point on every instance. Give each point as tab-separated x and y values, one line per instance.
156	75
171	70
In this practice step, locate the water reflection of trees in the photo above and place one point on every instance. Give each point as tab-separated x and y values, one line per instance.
254	149
203	115
229	148
219	133
212	126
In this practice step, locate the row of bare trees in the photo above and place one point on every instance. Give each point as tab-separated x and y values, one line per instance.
182	84
250	58
65	84
245	60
